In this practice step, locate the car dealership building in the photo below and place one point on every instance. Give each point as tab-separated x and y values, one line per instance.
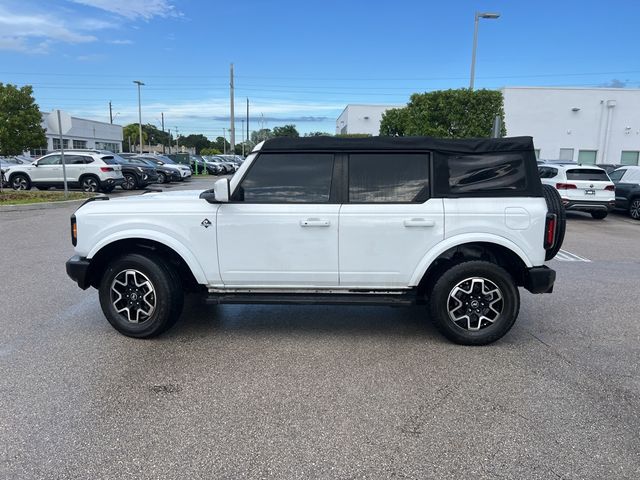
586	125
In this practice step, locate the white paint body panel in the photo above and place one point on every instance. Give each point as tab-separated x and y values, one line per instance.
381	244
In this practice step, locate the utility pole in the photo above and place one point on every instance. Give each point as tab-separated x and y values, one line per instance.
247	120
163	138
177	141
110	113
139	83
232	133
169	141
224	141
243	136
479	15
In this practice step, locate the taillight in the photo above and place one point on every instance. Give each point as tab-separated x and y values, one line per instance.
565	186
610	188
74	231
106	169
550	230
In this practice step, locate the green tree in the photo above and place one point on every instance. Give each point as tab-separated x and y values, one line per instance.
155	135
131	133
261	135
285	131
458	113
394	122
353	135
210	151
20	120
318	134
221	144
198	142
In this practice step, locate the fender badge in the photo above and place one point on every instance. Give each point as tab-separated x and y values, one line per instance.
206	223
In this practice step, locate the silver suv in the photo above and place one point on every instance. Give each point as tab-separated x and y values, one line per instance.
90	170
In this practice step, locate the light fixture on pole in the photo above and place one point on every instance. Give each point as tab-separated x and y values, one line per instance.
479	15
139	83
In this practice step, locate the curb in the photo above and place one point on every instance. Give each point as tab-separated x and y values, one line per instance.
43	205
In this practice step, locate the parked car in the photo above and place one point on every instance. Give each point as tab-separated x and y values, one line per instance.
165	174
228	166
272	233
90	170
609	167
582	188
627	182
136	173
183	170
199	165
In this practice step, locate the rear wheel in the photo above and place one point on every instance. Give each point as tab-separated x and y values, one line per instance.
474	303
634	208
599	215
554	205
20	182
90	184
141	295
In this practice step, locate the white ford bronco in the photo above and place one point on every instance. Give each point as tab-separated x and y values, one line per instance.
457	225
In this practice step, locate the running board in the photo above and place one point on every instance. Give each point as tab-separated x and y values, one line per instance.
394	299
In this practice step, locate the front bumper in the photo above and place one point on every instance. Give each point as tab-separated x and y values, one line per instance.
589	205
539	279
78	269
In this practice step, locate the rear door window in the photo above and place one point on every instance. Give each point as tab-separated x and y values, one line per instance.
388	177
587	174
287	178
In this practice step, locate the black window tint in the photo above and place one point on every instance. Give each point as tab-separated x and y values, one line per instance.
388	177
616	175
495	172
288	178
76	159
587	174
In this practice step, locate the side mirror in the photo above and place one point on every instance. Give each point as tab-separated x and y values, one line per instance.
221	190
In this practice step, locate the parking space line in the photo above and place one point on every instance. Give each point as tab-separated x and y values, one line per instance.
565	256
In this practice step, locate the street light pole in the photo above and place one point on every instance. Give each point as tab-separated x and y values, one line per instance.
479	15
139	83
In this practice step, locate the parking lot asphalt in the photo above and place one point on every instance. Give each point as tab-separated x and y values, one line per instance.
319	391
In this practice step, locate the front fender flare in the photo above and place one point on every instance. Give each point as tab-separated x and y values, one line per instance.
186	254
452	242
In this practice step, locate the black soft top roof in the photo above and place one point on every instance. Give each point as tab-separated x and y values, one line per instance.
470	145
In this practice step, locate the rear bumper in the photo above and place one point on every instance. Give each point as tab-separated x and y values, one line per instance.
589	205
539	279
77	269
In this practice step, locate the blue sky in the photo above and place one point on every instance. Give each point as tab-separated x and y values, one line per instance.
298	61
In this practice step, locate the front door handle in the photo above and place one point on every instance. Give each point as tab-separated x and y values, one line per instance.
419	222
314	222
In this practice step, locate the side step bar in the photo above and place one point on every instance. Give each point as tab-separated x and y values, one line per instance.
398	300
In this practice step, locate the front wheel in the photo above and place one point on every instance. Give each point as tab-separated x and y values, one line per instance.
162	178
474	303
141	295
20	182
599	215
129	182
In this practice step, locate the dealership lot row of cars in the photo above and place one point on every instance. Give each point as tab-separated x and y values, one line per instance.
103	171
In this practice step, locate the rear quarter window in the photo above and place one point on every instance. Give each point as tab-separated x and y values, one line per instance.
487	174
587	174
109	160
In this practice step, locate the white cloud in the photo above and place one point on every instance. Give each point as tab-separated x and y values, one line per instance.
18	31
134	9
120	42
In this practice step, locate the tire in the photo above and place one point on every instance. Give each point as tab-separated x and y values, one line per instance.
554	205
90	184
162	178
159	282
501	293
20	181
599	215
130	182
108	189
634	208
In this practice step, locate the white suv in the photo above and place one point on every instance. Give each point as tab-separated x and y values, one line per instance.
90	170
583	188
456	224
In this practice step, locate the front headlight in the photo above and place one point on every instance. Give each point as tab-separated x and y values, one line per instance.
139	169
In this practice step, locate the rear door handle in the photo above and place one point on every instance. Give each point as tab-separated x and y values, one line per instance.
314	222
419	222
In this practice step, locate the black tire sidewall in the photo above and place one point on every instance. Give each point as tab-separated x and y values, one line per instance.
168	292
162	178
20	175
134	183
438	302
89	177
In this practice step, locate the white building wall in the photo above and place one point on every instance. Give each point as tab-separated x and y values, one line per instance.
362	118
94	133
603	119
